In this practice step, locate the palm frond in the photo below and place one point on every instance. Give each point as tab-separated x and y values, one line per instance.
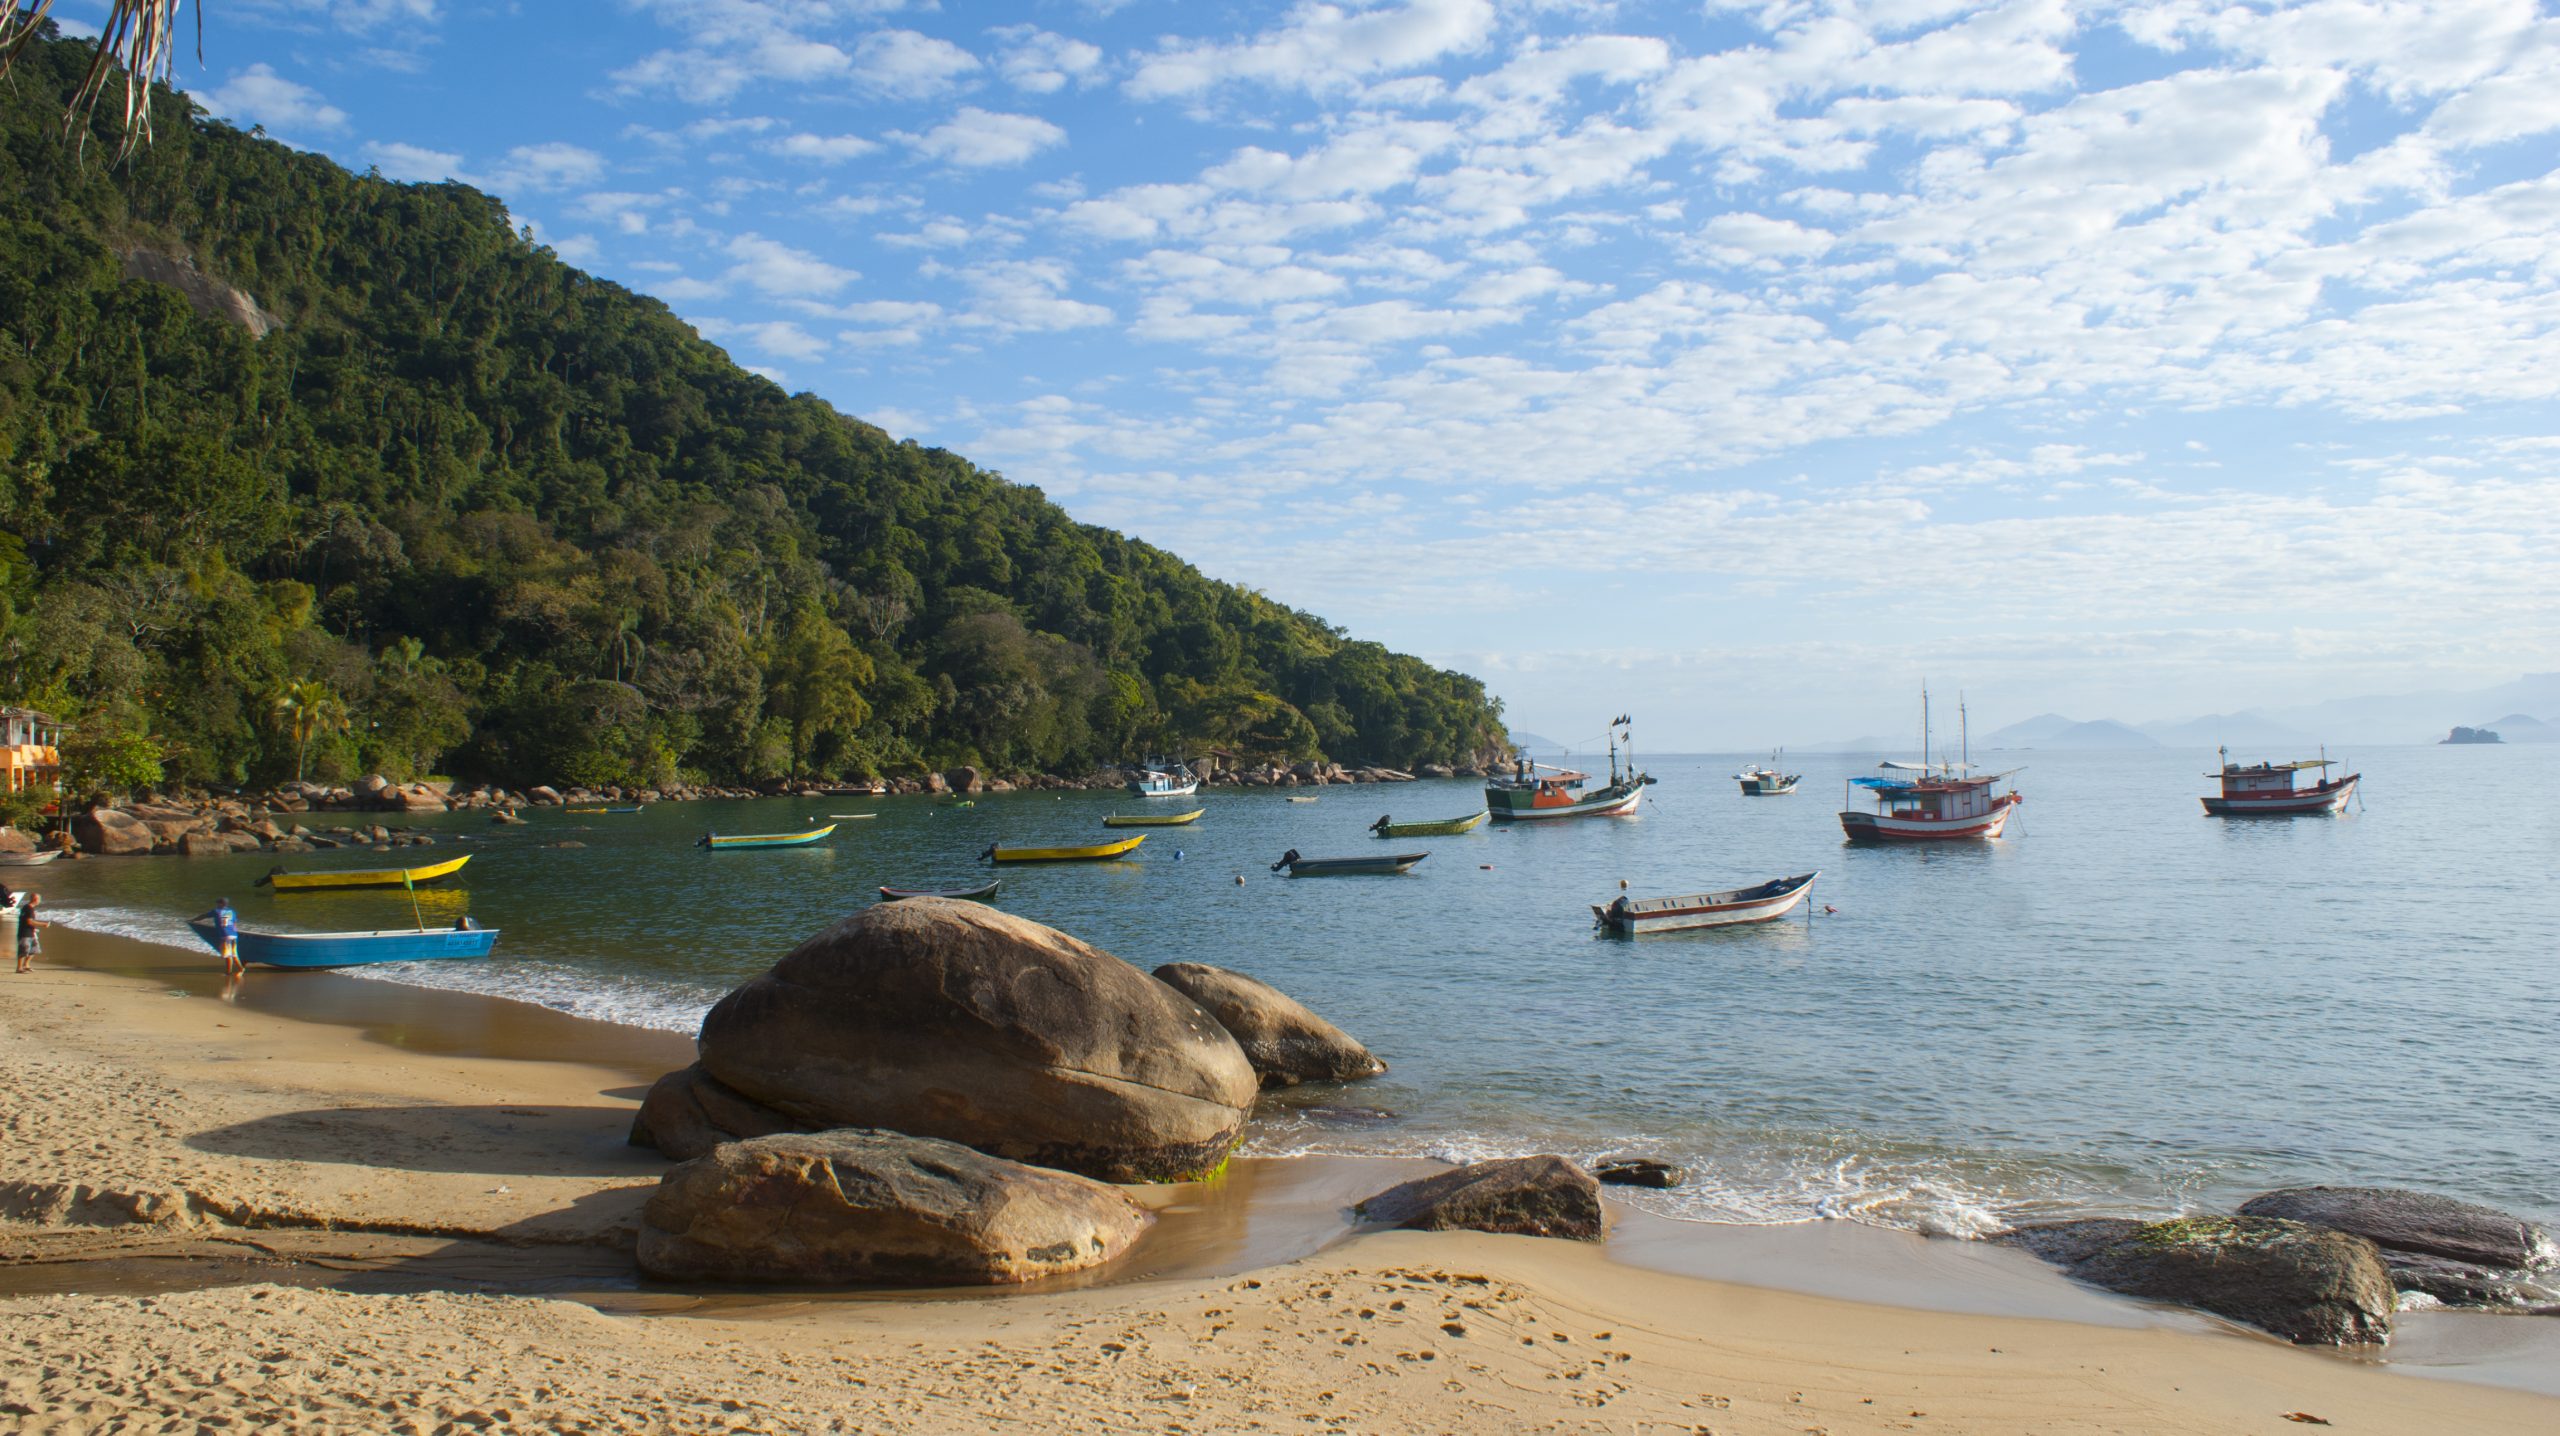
137	44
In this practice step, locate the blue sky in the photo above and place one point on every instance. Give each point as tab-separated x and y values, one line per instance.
1734	366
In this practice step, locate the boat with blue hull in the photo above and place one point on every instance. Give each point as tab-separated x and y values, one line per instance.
354	949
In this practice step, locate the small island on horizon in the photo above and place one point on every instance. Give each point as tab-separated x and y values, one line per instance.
2471	735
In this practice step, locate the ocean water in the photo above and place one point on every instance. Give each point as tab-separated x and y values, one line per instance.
2122	1007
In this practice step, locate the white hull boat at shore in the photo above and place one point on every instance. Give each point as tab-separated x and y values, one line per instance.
1734	907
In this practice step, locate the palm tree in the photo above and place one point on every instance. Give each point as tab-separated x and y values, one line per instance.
307	709
138	40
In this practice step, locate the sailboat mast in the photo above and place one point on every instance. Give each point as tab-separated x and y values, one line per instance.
1924	727
1964	726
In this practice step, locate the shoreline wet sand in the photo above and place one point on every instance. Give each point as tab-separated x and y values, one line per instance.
353	1157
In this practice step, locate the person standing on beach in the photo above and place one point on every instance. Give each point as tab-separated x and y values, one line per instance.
226	932
30	946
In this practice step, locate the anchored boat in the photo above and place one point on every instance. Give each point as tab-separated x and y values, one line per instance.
1770	781
1388	827
981	893
285	882
29	860
1085	853
354	949
2270	790
1948	801
1536	792
740	841
1380	864
1152	820
1732	907
1165	780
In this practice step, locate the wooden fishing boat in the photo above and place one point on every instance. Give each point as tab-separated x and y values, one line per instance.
285	882
1164	780
1765	902
1947	802
1538	793
1768	781
719	844
1309	799
849	817
29	860
1152	820
1378	864
2269	789
1388	827
1086	853
633	809
582	812
981	893
354	949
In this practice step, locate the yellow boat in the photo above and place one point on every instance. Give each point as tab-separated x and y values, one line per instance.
1152	820
582	810
1090	853
285	882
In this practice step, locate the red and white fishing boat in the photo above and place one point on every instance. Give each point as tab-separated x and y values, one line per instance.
1946	802
1766	902
2269	789
1535	792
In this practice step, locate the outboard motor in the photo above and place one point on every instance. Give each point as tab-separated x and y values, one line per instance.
1286	858
989	855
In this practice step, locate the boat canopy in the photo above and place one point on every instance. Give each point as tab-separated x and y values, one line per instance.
1901	767
1883	785
2296	766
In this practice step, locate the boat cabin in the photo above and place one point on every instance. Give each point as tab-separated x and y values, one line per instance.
1529	789
1932	800
2258	780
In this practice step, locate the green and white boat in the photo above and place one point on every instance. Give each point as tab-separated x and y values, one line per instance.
1388	827
1536	793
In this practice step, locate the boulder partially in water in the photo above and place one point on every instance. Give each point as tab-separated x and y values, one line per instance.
1638	1172
1544	1196
2308	1285
953	1020
853	1207
1285	1041
2460	1253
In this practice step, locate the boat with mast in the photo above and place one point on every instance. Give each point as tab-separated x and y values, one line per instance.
1771	781
2270	790
1164	779
1947	801
1536	792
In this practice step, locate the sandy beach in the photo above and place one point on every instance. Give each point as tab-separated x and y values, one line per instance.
353	1206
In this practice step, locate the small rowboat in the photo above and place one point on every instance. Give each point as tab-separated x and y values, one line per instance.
1382	864
354	949
1734	906
29	860
285	882
1302	800
1442	828
633	809
718	844
584	811
981	893
1152	820
1092	852
849	817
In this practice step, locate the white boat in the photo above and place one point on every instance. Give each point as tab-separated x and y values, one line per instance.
2268	789
1172	780
1733	907
1770	781
1947	802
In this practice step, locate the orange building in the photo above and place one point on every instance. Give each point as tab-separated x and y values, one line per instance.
28	757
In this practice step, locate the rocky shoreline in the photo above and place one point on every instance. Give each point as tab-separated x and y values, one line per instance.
199	825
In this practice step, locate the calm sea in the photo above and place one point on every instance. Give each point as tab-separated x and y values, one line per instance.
2123	1007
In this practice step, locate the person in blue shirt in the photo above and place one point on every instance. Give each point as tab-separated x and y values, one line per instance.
226	932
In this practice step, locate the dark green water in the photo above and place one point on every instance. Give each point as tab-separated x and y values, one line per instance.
2124	1006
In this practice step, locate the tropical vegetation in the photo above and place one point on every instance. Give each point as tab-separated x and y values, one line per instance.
308	472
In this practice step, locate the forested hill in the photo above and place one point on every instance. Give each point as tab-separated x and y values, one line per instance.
463	508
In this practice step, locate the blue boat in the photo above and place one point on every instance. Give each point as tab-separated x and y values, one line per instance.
354	949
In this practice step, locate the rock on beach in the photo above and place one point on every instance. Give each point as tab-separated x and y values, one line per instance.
843	1207
1286	1043
952	1020
2309	1286
1544	1196
2460	1253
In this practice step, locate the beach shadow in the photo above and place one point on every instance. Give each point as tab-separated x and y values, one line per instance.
509	1140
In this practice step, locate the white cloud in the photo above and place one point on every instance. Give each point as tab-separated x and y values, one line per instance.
260	96
902	64
773	268
408	162
549	166
822	149
1040	63
977	138
1321	47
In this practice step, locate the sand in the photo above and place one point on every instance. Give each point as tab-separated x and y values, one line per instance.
357	1197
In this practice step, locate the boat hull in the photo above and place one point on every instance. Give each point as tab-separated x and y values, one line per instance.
1152	820
1888	828
1760	788
1382	865
2326	798
365	877
744	841
1603	804
1445	828
355	949
1090	853
981	893
28	860
1736	907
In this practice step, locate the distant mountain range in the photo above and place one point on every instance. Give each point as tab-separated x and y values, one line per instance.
2390	718
1533	743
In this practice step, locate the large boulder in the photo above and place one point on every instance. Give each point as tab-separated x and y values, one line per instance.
109	833
843	1207
965	780
1286	1043
1517	1196
2458	1252
2307	1285
954	1020
418	798
687	1113
13	841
